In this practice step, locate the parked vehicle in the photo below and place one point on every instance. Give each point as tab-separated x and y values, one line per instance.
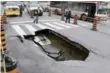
84	9
32	9
12	10
44	5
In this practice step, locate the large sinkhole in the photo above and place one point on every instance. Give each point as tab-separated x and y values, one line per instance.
61	48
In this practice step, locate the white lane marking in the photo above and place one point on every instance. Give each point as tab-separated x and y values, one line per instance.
61	25
43	26
31	29
32	21
18	30
51	25
20	22
65	24
71	25
38	39
82	24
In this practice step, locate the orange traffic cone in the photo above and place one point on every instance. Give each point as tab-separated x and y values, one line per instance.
3	19
9	65
3	41
94	27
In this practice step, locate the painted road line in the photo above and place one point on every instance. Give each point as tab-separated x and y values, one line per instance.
66	24
31	29
49	20
43	26
18	30
82	24
71	25
38	39
20	22
59	24
51	25
32	21
46	42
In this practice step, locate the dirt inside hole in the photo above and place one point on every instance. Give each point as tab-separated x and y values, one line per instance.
68	50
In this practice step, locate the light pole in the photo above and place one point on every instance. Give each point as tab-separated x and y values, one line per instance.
63	7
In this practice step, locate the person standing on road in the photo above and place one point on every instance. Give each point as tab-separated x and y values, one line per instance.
37	15
75	19
38	10
36	19
68	16
21	10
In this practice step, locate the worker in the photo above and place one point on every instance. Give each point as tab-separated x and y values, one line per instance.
36	19
39	11
49	13
21	10
75	19
68	16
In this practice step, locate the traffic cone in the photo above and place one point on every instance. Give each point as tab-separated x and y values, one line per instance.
3	19
94	27
2	22
75	19
9	64
3	41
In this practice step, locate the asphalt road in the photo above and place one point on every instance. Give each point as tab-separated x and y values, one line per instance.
103	28
30	57
26	17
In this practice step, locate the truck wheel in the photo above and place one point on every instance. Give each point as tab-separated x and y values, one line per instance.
83	17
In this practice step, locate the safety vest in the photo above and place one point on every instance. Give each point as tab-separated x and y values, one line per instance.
38	10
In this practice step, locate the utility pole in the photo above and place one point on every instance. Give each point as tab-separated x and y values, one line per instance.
63	7
69	5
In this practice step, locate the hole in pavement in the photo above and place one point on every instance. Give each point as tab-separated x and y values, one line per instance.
59	47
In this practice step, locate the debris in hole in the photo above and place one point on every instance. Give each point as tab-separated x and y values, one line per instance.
65	48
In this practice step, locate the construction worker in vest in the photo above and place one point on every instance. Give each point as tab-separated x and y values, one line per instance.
75	19
38	10
37	15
